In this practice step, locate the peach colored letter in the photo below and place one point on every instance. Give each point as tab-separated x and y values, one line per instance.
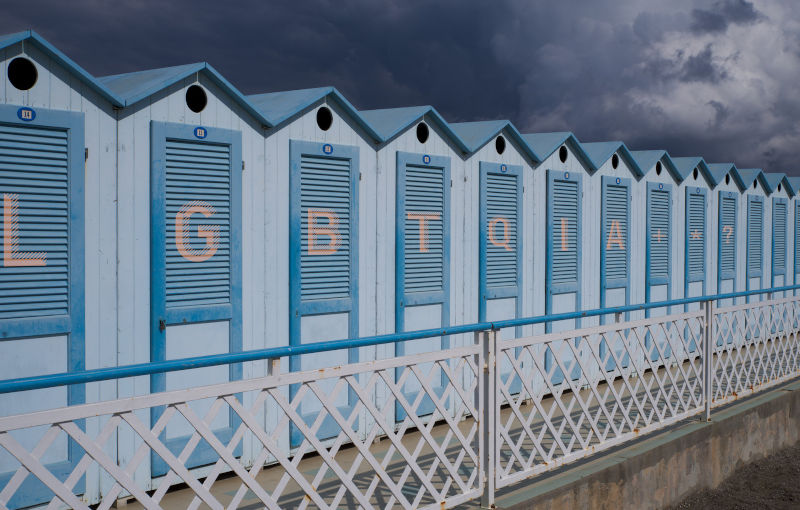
331	230
615	236
423	229
210	232
505	242
727	230
12	257
563	234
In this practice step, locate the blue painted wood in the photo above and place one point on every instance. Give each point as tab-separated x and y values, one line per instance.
727	235
695	247
658	266
500	262
780	207
615	250
323	178
187	171
754	260
563	259
42	164
422	277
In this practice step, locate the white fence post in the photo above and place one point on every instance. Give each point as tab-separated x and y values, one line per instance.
708	356
487	403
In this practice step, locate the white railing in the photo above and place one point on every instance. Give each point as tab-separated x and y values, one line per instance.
429	430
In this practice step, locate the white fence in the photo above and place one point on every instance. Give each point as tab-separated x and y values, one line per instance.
429	430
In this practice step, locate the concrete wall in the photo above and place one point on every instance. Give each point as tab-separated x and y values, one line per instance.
663	469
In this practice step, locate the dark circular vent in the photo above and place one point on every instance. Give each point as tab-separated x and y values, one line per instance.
196	98
728	179
694	174
500	144
614	161
422	132
324	118
563	153
658	168
22	73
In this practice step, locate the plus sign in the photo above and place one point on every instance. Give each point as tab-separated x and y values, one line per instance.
658	235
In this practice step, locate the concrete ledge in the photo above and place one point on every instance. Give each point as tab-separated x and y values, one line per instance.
662	469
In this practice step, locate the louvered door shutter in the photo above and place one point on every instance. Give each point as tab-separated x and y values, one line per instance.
755	226
696	235
326	194
34	189
424	203
659	233
779	237
727	236
502	218
616	241
565	232
198	189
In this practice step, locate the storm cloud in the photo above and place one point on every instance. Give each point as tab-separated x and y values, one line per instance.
714	79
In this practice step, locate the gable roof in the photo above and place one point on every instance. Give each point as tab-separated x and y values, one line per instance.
647	162
545	144
31	37
600	152
720	170
476	134
686	165
751	174
280	107
775	179
795	181
390	122
133	87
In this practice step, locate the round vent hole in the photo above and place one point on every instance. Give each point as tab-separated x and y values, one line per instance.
500	144
728	179
614	161
658	168
196	98
563	153
22	73
694	174
324	118
422	132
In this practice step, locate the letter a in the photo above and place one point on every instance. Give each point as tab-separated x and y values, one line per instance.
615	236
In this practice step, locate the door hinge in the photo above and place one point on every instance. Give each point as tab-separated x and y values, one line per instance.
162	325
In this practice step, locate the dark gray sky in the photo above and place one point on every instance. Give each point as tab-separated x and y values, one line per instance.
716	78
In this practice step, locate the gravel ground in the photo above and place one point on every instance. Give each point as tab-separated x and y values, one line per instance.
770	483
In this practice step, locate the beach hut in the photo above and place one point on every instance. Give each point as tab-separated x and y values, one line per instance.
727	240
421	194
57	193
758	239
185	134
318	209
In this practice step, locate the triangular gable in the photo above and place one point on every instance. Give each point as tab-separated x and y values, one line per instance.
795	181
390	122
31	37
751	174
774	179
545	144
477	134
647	162
720	170
138	85
687	165
281	107
600	152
